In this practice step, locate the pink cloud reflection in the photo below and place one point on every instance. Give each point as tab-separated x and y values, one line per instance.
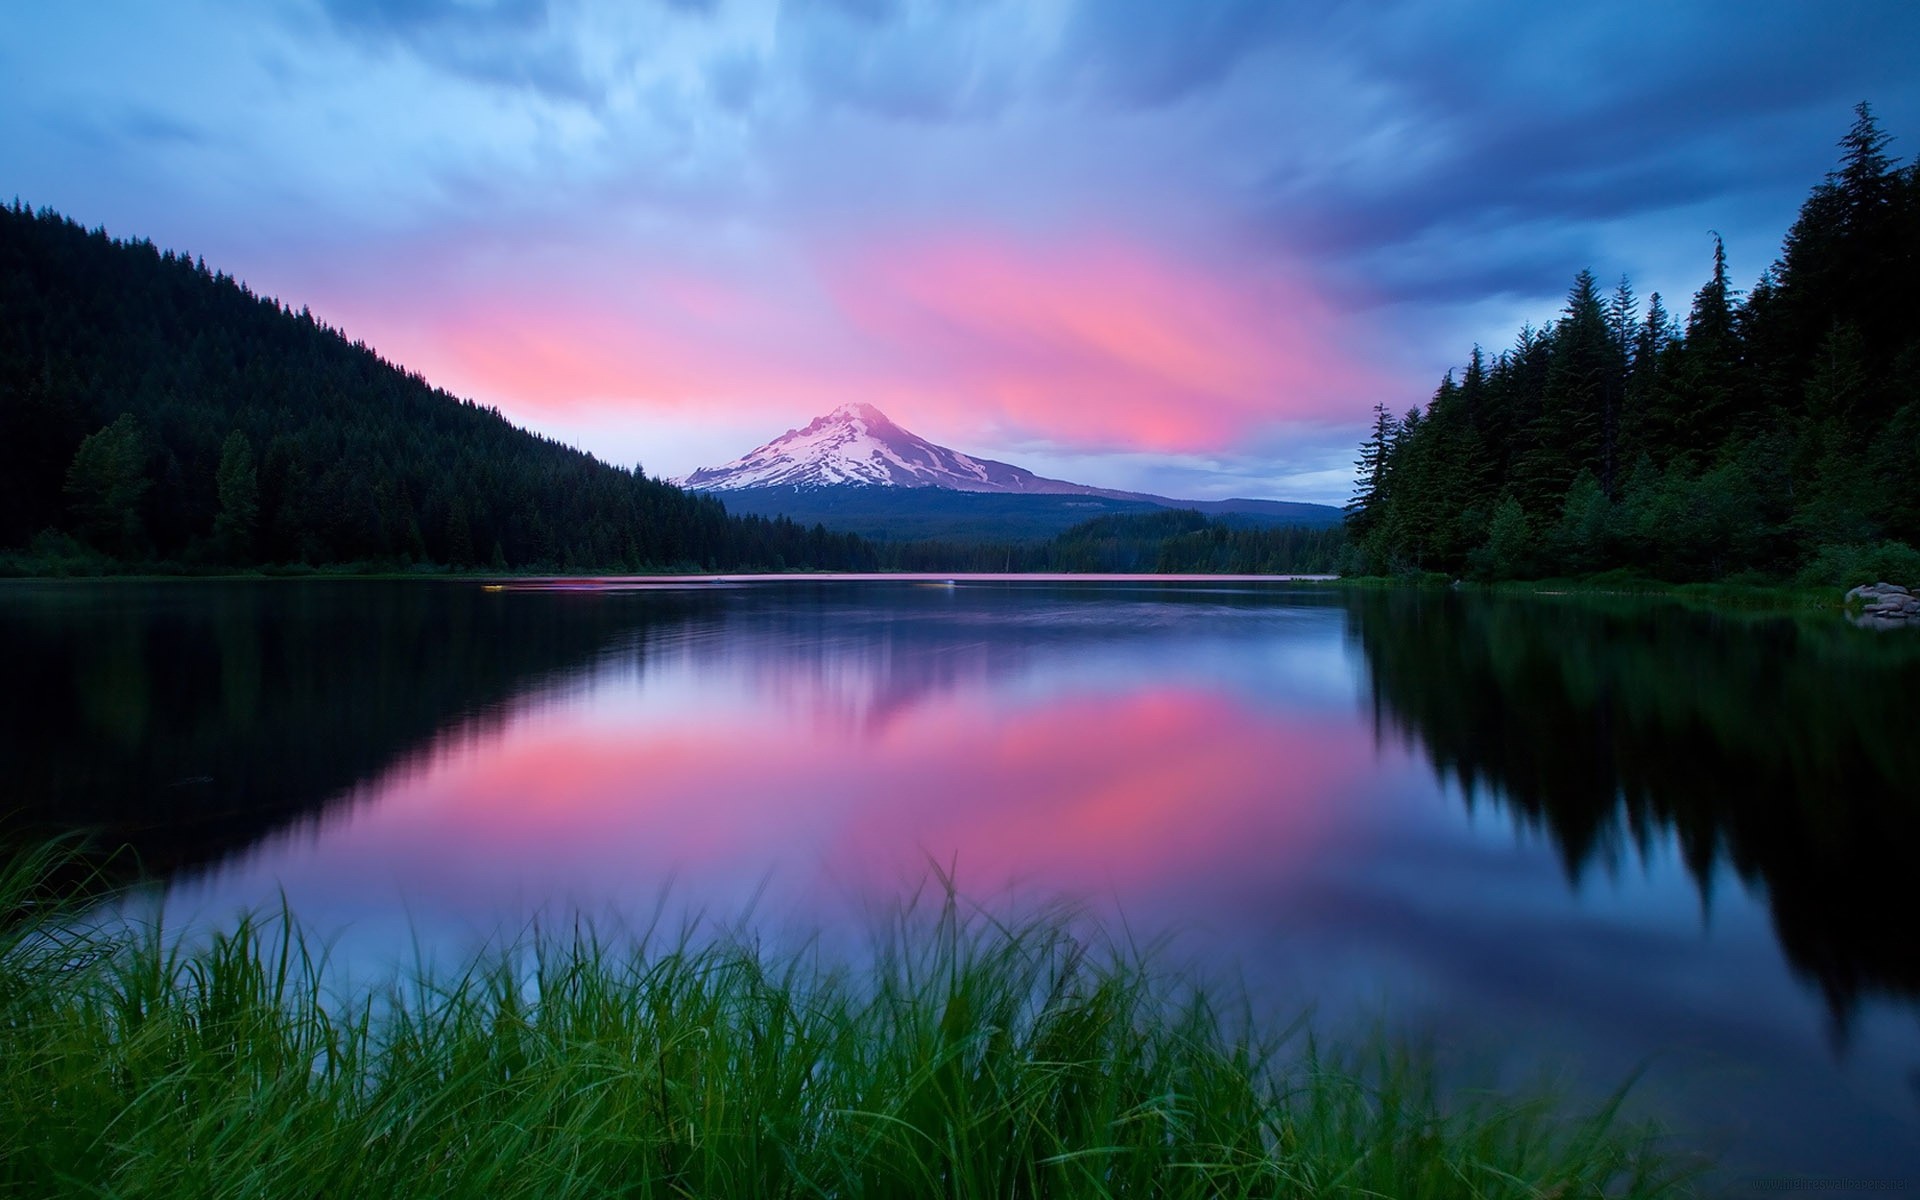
1144	793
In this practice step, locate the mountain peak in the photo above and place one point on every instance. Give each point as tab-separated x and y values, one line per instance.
857	444
860	409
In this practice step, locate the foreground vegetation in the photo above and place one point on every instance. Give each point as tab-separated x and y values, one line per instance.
969	1058
1776	435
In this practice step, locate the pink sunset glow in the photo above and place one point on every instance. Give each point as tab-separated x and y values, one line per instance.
1170	253
1128	795
1100	344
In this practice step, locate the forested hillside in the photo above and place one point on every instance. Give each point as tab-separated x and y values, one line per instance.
1168	541
1773	433
154	412
903	514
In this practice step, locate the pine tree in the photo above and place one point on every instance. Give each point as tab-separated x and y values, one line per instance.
1370	488
105	485
1646	423
1710	355
238	486
1623	312
345	444
1779	432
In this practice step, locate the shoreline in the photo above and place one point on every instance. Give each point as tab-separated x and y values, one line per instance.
1741	594
974	1053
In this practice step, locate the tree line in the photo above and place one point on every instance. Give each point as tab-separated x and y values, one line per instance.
1174	541
158	415
155	413
1774	433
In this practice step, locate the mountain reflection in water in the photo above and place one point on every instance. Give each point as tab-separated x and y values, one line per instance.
1626	831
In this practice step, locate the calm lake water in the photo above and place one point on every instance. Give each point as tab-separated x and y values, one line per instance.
1596	836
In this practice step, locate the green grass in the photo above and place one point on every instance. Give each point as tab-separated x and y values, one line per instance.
967	1057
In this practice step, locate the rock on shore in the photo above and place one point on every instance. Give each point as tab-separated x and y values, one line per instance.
1886	606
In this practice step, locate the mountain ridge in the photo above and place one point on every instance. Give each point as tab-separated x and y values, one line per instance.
856	446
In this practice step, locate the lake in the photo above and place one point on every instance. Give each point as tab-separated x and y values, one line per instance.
1559	838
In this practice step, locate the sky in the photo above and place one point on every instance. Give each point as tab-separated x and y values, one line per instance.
1174	247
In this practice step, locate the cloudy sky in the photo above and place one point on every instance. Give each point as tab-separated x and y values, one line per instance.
1182	247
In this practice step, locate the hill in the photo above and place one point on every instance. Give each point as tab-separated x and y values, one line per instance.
157	412
1157	541
909	514
1775	433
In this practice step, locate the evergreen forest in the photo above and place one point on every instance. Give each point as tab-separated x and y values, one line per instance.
158	416
155	414
1165	542
1767	434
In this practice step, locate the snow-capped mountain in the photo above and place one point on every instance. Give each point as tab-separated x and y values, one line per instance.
856	444
854	470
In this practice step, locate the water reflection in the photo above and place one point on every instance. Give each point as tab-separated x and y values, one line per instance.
1779	754
1551	828
837	744
189	720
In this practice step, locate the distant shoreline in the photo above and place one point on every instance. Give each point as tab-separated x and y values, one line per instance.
530	581
1768	596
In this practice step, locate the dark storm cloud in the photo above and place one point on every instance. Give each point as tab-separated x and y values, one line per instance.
928	63
1532	272
151	125
1152	52
870	12
1571	123
498	43
133	130
436	15
755	204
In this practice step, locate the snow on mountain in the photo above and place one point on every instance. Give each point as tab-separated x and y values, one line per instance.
856	444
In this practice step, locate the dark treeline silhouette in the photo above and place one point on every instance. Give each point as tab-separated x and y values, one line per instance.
1774	433
155	412
1774	753
1169	541
186	720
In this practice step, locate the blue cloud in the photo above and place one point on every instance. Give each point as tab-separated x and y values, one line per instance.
1150	52
496	42
409	18
1565	127
929	63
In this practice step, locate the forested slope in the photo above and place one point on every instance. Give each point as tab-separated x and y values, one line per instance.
1775	433
1166	541
155	412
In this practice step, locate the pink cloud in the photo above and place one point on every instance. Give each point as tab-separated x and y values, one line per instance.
1091	343
1099	343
